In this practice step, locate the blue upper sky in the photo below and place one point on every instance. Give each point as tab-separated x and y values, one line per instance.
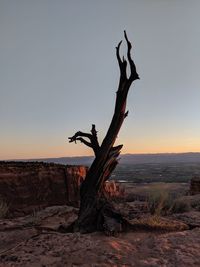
59	74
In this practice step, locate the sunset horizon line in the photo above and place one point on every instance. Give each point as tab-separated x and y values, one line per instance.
77	156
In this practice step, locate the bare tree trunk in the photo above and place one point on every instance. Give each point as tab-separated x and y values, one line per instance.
95	211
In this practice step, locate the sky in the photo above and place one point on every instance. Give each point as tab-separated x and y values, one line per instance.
59	74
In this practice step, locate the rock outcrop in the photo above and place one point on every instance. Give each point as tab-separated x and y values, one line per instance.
195	186
114	189
35	241
29	186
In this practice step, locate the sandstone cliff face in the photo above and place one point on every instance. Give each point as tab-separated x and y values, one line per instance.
114	189
30	186
27	186
74	177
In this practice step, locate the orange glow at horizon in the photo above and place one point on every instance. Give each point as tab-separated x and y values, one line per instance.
46	150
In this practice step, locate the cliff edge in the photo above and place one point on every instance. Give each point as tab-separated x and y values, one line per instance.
27	186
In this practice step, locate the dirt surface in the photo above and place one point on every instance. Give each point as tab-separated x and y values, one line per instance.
35	241
131	249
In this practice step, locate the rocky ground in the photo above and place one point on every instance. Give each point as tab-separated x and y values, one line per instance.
163	221
35	240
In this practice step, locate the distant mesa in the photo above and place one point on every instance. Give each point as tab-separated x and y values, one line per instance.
129	159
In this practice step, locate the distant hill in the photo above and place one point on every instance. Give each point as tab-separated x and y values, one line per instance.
67	160
130	159
160	158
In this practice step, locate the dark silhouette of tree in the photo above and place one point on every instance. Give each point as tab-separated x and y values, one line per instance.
96	213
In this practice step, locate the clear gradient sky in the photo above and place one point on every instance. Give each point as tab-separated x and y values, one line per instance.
59	74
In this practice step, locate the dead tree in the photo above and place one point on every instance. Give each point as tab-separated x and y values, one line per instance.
95	212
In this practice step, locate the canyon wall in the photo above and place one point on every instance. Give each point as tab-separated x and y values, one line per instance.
29	186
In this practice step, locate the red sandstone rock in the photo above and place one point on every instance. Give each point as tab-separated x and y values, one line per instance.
27	186
40	245
30	186
114	189
74	177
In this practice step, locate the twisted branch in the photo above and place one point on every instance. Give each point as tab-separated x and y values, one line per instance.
93	140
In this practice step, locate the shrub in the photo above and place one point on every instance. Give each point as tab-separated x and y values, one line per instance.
180	206
3	208
186	203
160	201
195	202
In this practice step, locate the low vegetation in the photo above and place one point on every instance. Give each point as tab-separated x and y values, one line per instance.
4	208
155	223
160	201
186	203
163	202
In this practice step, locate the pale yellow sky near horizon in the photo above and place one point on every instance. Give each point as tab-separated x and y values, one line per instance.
27	151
